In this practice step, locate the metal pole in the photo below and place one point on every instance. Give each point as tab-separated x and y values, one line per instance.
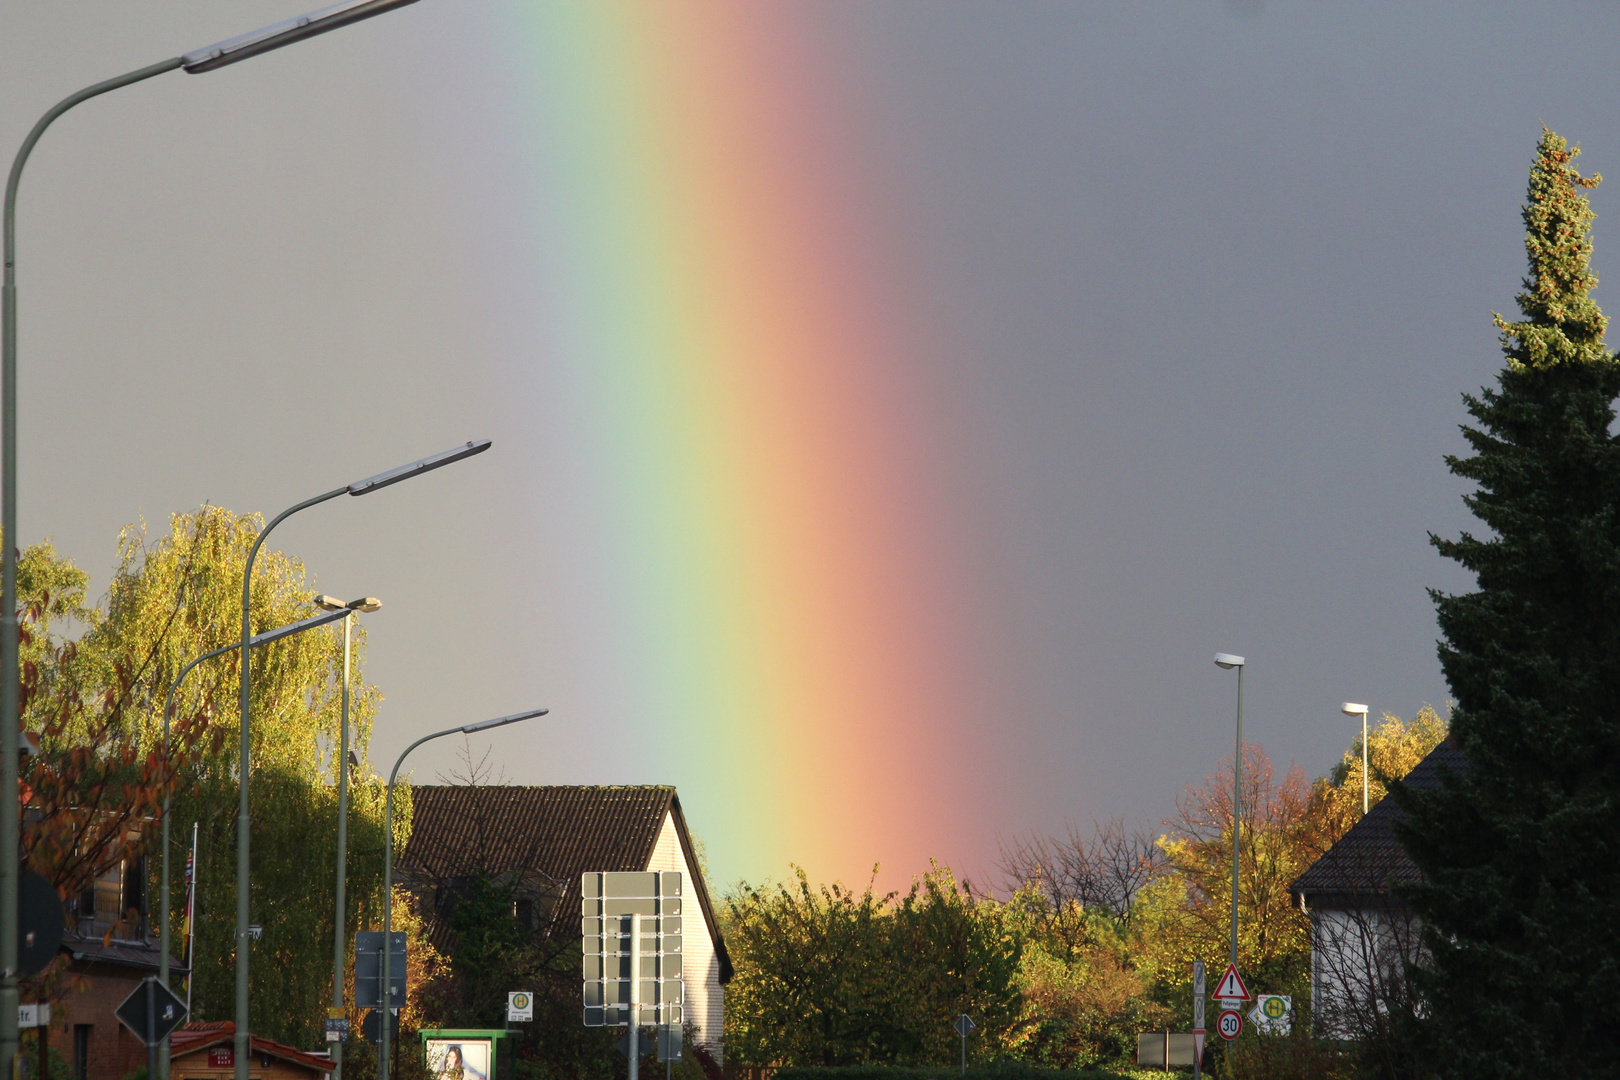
151	1025
1364	804
388	891
243	770
1237	812
10	540
342	851
964	1053
635	996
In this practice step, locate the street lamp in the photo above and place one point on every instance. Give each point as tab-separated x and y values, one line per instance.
1351	708
339	608
359	487
1227	661
385	995
168	710
199	60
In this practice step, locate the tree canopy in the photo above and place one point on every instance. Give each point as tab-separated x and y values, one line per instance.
1522	886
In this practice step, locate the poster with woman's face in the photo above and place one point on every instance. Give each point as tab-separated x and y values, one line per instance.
458	1059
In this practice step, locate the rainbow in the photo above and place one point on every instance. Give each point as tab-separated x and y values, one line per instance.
758	408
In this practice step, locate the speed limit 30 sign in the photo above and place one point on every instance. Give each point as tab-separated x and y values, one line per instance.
1229	1024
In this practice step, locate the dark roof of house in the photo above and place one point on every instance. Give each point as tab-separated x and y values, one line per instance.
556	833
1369	858
194	1037
135	954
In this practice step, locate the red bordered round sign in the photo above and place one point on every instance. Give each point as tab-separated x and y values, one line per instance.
1229	1024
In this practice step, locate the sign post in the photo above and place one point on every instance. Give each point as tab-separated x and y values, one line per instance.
1272	1013
630	926
964	1025
1198	1019
151	1011
519	1007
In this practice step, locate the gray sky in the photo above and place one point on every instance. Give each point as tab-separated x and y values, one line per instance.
1210	279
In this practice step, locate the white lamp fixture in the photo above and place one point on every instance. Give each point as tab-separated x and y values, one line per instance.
1352	708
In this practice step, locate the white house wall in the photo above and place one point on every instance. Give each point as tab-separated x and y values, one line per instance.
704	998
1357	967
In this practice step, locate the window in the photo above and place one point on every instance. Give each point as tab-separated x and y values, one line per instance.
81	1051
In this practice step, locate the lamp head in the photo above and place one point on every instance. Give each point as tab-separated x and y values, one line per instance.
499	720
1350	708
329	603
367	604
282	33
1228	661
417	468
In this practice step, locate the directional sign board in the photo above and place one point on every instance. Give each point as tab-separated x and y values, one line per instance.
611	906
1231	986
1229	1024
1271	1013
368	969
151	1011
669	1042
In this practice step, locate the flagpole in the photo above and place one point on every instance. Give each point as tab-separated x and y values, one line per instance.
191	916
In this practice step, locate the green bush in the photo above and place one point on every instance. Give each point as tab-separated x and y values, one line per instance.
991	1070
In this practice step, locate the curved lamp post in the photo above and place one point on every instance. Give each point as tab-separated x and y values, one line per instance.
1228	662
168	711
345	611
197	61
359	487
386	993
1351	708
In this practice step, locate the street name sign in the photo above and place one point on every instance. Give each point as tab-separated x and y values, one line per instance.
630	931
1229	1024
1231	986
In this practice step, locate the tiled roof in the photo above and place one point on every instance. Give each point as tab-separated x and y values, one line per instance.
555	833
1369	858
559	832
194	1037
127	953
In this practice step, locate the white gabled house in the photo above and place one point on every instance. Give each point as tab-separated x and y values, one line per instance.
545	838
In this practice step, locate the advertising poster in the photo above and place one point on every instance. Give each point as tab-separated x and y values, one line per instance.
458	1059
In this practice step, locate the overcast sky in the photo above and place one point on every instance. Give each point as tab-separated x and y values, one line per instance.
1210	279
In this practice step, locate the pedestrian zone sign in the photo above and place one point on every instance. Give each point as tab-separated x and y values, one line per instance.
1231	987
1271	1013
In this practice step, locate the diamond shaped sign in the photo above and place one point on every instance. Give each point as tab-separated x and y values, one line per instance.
151	1011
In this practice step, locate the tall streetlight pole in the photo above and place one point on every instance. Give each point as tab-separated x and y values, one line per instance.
386	992
359	487
1351	708
168	711
333	604
1228	662
197	61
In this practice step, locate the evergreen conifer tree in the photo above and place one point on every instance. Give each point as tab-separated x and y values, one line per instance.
1521	853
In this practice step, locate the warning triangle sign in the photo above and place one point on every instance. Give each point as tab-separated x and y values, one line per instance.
1198	1044
1231	987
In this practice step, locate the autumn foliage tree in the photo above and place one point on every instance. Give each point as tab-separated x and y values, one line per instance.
95	793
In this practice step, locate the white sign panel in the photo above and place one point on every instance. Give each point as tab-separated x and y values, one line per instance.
519	1006
1273	1014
